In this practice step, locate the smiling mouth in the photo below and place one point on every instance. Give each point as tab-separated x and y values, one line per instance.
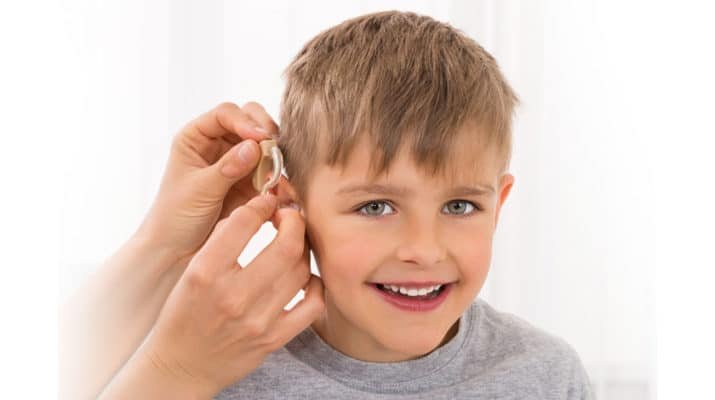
412	299
421	292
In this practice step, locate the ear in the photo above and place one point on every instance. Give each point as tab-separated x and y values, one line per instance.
287	195
285	192
506	181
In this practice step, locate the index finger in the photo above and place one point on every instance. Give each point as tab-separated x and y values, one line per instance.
260	115
227	120
286	249
226	243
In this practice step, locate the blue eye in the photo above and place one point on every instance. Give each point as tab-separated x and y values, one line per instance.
374	208
459	207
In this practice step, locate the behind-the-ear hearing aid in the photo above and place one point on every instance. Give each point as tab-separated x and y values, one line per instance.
271	160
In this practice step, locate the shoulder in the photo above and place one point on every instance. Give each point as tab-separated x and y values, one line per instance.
505	342
507	334
506	331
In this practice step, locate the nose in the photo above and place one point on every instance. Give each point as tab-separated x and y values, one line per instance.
421	244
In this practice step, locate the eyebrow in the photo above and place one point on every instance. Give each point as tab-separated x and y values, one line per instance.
375	188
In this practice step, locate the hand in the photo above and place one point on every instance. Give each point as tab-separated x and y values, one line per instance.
205	179
221	321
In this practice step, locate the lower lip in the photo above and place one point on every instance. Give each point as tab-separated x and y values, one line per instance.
408	304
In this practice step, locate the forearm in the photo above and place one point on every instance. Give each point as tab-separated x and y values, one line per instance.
147	377
105	321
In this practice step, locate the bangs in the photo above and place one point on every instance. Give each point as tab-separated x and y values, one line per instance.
401	80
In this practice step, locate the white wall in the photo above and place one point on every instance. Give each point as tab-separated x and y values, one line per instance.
570	251
574	249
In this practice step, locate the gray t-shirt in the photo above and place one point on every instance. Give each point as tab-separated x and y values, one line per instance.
494	355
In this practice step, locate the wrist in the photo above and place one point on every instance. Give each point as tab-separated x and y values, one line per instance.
146	376
148	247
176	380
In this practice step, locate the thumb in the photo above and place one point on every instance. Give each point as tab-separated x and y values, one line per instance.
239	161
233	166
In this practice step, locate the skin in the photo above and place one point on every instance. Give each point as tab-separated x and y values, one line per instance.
182	319
219	321
414	236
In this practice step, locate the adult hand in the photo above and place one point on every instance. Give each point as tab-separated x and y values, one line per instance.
208	175
222	320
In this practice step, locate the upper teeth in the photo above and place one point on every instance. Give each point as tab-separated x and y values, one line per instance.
412	291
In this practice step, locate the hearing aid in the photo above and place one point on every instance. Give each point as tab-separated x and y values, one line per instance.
271	161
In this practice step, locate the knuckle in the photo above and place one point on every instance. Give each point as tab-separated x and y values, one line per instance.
227	106
255	327
231	306
290	248
252	104
198	278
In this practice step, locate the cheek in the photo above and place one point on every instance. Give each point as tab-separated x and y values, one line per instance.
346	256
473	257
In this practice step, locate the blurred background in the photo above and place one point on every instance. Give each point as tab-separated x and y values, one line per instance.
596	141
570	253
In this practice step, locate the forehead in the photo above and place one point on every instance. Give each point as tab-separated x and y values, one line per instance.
466	164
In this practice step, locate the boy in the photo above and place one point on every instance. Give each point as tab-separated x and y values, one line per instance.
396	135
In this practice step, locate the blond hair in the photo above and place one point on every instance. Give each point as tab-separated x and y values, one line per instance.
400	78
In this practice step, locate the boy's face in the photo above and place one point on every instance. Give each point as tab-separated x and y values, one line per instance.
410	228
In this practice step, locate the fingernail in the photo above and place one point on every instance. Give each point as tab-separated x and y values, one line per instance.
260	129
245	151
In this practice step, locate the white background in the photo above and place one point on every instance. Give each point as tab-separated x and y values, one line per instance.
606	238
